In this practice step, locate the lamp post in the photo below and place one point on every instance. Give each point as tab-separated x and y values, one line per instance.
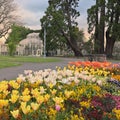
44	41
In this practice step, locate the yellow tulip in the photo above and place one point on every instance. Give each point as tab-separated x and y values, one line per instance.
3	86
25	109
117	113
14	84
25	98
58	100
35	106
40	99
14	98
68	93
46	97
26	92
15	113
3	103
19	80
15	92
53	91
35	92
85	104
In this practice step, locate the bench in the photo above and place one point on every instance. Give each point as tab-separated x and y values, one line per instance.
95	57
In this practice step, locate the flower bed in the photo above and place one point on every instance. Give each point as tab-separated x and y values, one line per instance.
72	93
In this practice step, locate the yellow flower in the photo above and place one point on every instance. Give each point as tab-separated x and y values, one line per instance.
25	109
35	92
38	82
15	113
25	98
1	96
46	97
81	91
19	80
117	113
50	85
52	112
68	93
15	92
53	91
40	99
1	111
14	98
5	93
3	103
23	104
96	88
85	104
75	117
3	86
58	100
35	106
26	92
14	84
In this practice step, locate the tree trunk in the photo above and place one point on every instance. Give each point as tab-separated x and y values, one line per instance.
77	53
96	41
102	27
112	34
76	49
71	40
72	43
110	41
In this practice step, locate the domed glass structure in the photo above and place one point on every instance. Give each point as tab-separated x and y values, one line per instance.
32	45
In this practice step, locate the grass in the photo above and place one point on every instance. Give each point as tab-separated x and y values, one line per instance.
4	64
7	61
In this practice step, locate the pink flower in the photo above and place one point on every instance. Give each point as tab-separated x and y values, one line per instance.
57	107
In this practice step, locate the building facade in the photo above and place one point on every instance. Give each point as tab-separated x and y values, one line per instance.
32	46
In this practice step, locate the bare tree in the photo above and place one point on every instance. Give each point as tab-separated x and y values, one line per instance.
7	16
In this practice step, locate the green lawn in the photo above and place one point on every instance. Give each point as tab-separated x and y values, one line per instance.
7	61
4	64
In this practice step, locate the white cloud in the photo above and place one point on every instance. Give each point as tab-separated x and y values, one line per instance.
31	11
33	5
30	19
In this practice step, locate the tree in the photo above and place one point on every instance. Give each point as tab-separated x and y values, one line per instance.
17	34
7	17
61	16
113	23
104	20
96	23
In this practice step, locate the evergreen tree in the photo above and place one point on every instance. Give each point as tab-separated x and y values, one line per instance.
104	21
60	22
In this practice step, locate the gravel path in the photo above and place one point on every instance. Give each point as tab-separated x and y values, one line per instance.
13	72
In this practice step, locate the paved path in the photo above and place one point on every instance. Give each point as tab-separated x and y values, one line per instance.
13	72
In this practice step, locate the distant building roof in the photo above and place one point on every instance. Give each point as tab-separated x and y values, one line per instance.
32	38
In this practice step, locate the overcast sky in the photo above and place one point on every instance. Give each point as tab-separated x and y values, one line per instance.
30	12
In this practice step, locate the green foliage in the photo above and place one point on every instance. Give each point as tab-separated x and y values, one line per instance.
59	21
17	34
12	48
104	17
